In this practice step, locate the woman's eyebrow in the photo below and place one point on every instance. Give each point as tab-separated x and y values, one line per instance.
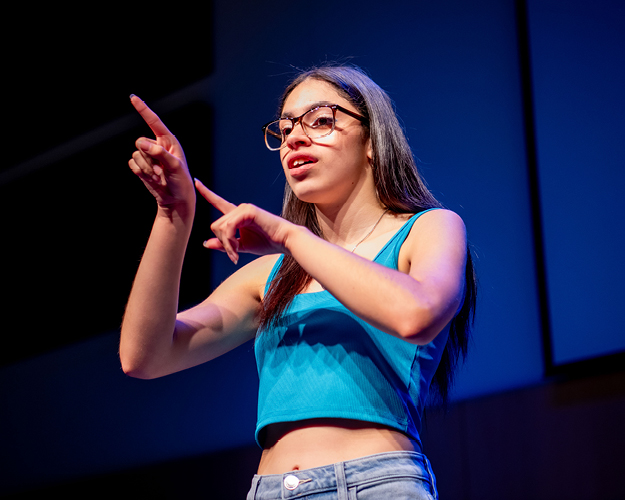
287	114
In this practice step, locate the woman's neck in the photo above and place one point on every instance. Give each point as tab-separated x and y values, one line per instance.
346	224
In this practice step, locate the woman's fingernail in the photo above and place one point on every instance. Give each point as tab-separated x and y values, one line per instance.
233	257
131	96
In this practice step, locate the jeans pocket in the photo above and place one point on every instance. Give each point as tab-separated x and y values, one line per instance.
393	488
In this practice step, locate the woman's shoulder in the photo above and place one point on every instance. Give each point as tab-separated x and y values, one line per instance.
435	232
262	266
440	221
253	275
430	219
435	216
265	262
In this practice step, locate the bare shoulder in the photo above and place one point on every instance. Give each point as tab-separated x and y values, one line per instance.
441	220
253	276
260	267
432	219
435	235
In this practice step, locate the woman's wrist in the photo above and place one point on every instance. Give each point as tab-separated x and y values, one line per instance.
296	238
180	215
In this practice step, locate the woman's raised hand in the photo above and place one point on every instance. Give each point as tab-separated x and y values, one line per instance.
260	232
161	165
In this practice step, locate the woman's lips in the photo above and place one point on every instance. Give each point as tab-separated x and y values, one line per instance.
299	165
300	171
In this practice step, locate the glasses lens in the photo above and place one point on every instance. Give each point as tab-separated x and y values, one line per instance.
319	122
273	135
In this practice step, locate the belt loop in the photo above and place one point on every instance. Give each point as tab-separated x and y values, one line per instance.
432	477
341	482
252	493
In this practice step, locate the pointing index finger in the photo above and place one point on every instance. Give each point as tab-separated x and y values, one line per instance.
217	201
150	117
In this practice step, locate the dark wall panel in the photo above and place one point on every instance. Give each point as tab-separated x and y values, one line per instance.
579	77
76	233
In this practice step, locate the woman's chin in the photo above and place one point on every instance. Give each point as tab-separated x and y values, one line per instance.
304	193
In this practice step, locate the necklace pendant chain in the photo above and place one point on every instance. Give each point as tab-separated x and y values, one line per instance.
370	232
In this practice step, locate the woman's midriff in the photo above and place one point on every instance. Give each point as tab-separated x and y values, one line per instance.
313	443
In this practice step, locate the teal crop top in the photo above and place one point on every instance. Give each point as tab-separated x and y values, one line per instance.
325	362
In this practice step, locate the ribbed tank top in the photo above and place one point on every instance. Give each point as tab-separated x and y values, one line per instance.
325	362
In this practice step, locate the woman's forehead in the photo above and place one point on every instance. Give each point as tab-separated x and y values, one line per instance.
311	93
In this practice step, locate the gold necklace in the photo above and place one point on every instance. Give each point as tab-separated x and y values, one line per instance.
369	233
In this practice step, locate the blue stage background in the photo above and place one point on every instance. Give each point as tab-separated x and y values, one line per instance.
456	73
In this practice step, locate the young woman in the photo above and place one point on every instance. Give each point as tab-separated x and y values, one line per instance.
361	297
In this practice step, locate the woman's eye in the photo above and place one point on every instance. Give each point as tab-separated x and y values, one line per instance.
323	121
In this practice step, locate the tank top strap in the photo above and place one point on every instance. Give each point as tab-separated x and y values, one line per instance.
389	254
274	271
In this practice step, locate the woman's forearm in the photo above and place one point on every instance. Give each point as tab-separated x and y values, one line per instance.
392	301
150	317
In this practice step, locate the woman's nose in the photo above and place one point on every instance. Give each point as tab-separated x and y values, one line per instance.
297	137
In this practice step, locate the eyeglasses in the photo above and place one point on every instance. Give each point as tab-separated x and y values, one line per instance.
317	122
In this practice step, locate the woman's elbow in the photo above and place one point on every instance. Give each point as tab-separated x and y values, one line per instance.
137	372
421	325
413	333
135	367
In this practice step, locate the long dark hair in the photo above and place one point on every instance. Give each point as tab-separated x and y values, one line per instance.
400	189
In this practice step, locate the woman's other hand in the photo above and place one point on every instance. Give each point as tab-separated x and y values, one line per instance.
161	165
259	232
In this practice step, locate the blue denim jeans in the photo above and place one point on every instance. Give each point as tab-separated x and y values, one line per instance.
396	475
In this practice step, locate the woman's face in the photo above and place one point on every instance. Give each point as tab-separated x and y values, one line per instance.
329	169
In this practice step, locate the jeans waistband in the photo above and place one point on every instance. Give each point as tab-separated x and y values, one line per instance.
343	475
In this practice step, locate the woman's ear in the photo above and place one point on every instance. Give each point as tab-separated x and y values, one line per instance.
369	151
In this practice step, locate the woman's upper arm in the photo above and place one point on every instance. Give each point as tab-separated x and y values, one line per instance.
434	254
225	320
